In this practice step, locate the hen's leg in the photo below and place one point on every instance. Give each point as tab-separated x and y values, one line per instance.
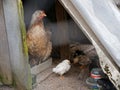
61	77
32	60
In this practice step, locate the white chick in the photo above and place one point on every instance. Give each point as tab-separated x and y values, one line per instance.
62	67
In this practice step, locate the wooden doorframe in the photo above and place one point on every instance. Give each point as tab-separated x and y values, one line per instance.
14	66
5	66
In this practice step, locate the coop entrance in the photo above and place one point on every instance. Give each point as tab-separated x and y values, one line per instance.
66	38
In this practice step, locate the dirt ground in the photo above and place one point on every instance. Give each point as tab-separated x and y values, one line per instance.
48	80
6	88
54	82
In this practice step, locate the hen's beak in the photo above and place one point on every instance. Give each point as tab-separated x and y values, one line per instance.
43	14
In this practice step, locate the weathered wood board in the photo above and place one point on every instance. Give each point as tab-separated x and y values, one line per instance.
62	31
5	68
16	40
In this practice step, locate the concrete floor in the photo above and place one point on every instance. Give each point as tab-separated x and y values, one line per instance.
47	80
50	81
6	88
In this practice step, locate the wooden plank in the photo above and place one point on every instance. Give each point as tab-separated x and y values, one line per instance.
18	51
62	31
76	34
5	68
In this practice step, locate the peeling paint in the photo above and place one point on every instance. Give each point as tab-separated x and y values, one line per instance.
107	70
113	80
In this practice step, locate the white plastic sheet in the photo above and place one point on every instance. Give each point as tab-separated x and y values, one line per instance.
103	17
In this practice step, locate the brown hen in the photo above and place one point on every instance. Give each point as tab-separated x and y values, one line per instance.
38	40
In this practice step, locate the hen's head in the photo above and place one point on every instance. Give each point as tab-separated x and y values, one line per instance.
66	61
38	15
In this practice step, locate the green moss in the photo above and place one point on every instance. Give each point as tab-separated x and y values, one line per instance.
5	80
22	27
25	48
1	79
14	83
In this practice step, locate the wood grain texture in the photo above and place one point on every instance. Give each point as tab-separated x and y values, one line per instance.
5	68
18	59
62	31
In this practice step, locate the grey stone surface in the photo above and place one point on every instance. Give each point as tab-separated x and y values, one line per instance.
47	80
39	68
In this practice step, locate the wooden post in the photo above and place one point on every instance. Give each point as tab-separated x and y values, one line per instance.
62	31
15	30
5	68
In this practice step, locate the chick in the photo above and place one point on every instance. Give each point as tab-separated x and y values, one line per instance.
79	57
62	67
84	63
75	57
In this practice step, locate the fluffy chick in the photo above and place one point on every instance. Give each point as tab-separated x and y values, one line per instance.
79	57
62	67
75	56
